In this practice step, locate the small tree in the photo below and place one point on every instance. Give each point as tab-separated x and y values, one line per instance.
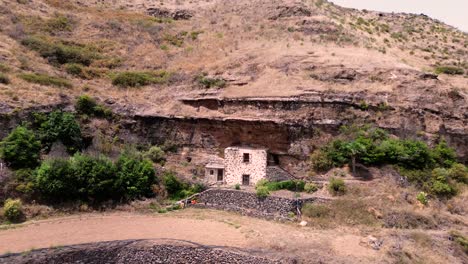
355	148
21	149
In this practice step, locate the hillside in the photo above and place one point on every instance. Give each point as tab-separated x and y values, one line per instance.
223	60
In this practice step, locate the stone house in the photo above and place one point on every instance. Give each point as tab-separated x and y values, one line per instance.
245	166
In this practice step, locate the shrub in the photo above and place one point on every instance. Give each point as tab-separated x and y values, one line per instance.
156	154
13	210
21	149
172	184
61	126
95	179
261	183
44	79
4	68
443	155
59	23
459	173
138	79
237	186
209	82
61	52
88	106
4	79
262	192
135	176
452	70
310	187
336	186
441	185
422	198
81	71
56	181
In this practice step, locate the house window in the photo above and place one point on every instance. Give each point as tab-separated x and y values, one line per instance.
245	179
220	175
211	172
246	158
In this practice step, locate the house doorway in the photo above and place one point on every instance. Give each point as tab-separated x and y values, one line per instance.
245	179
220	176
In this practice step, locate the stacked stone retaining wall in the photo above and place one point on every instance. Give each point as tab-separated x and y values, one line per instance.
247	203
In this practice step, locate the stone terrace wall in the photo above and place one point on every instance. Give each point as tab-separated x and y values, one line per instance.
248	203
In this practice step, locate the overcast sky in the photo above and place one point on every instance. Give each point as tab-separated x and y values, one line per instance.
452	12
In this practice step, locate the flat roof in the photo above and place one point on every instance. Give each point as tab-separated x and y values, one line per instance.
214	166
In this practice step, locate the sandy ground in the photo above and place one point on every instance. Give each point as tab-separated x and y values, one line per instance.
208	227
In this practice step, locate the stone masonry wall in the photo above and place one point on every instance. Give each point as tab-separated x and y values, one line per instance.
247	203
235	167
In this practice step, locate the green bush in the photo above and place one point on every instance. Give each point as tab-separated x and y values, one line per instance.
61	126
135	176
422	198
20	149
310	187
95	180
444	155
156	154
373	147
459	173
237	186
336	186
4	79
441	183
261	182
56	181
44	79
452	70
138	79
262	192
88	106
13	210
172	184
61	52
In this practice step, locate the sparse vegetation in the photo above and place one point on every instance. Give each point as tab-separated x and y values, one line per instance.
209	82
86	105
4	79
451	70
310	187
422	198
138	79
292	185
62	52
177	189
47	80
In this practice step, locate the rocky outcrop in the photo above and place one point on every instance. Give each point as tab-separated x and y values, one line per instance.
178	14
138	251
290	11
247	203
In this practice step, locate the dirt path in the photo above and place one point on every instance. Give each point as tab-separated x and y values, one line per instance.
218	228
118	226
207	227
